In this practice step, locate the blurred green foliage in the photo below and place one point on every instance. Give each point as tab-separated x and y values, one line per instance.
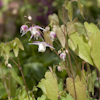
34	64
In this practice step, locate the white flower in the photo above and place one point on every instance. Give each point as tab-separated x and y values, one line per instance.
42	45
52	35
63	56
23	29
35	32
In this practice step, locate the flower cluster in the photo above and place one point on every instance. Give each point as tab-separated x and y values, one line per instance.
36	33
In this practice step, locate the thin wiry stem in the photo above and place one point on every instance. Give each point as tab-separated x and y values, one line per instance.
58	43
69	59
21	74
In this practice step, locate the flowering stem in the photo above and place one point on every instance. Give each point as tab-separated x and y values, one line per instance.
19	66
71	70
69	58
69	74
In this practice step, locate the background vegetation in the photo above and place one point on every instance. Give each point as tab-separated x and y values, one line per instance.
35	64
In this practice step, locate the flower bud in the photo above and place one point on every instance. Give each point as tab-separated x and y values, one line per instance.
52	35
59	51
66	51
59	68
29	18
47	28
9	65
63	56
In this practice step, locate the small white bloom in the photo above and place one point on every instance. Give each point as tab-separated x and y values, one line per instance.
9	65
63	56
52	35
42	45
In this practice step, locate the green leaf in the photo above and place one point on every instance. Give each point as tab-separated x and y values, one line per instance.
80	8
68	97
80	46
16	77
16	50
79	86
95	49
89	80
2	48
69	7
3	93
90	84
7	51
23	95
19	43
71	28
53	19
43	97
49	86
80	29
60	84
91	28
63	15
13	86
60	35
34	70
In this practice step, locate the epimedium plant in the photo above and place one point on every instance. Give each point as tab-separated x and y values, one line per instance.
74	39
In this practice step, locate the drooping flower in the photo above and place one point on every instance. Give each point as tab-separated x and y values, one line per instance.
24	29
42	45
35	32
52	35
63	56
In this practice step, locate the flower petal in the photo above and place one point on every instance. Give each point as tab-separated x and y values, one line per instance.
39	27
30	37
35	43
48	45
